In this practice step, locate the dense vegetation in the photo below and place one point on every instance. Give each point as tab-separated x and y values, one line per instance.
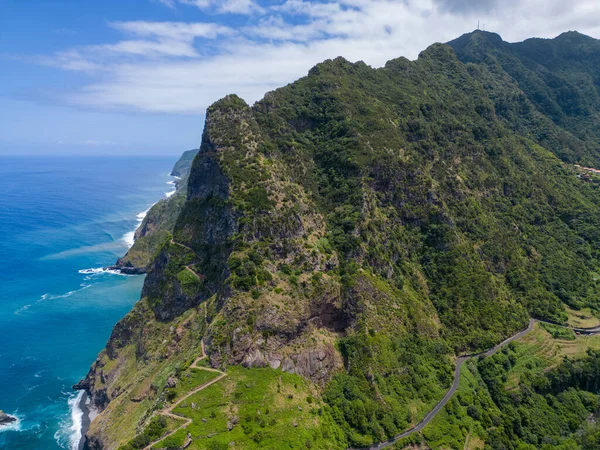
548	410
361	227
556	100
422	183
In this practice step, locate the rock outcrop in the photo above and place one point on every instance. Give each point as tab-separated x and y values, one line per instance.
6	419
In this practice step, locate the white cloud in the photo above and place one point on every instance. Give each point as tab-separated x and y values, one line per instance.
178	67
310	9
171	30
169	3
220	6
153	40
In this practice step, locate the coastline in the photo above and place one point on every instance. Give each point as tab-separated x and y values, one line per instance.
86	420
59	323
88	411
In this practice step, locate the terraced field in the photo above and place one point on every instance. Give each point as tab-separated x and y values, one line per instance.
582	318
540	350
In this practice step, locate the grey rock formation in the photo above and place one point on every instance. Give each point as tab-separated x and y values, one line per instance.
6	419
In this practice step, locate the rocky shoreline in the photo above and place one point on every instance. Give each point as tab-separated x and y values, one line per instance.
6	419
86	419
127	269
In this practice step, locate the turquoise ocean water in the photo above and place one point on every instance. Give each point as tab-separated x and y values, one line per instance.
58	217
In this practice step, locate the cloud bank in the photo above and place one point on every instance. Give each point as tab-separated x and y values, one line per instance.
182	67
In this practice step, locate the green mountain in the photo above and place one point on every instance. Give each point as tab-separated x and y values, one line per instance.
344	239
558	79
182	167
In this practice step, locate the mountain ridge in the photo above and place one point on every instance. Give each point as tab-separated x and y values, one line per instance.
360	228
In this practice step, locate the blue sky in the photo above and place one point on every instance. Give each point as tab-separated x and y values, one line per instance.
135	76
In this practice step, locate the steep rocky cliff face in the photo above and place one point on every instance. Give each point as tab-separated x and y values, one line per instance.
264	224
360	227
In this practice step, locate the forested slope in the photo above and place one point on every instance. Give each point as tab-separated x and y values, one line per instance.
361	227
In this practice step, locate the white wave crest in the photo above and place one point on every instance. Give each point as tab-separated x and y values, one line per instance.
174	184
48	296
100	270
65	295
23	308
140	217
68	435
129	238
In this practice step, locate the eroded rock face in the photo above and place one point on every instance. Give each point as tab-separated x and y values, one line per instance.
221	212
317	364
99	398
207	178
289	338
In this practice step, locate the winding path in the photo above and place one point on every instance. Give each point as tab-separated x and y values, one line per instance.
459	362
168	412
174	242
189	266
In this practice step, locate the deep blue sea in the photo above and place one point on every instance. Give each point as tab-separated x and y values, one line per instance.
59	216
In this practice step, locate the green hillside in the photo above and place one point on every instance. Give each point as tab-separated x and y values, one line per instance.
363	227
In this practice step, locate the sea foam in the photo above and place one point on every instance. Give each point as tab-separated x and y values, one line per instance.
172	183
129	237
69	434
142	215
100	270
65	295
49	296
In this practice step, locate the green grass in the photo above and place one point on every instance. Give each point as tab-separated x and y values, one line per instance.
558	332
189	281
539	351
141	382
158	427
257	409
585	317
190	380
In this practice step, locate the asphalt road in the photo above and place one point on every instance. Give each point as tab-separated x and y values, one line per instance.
459	362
